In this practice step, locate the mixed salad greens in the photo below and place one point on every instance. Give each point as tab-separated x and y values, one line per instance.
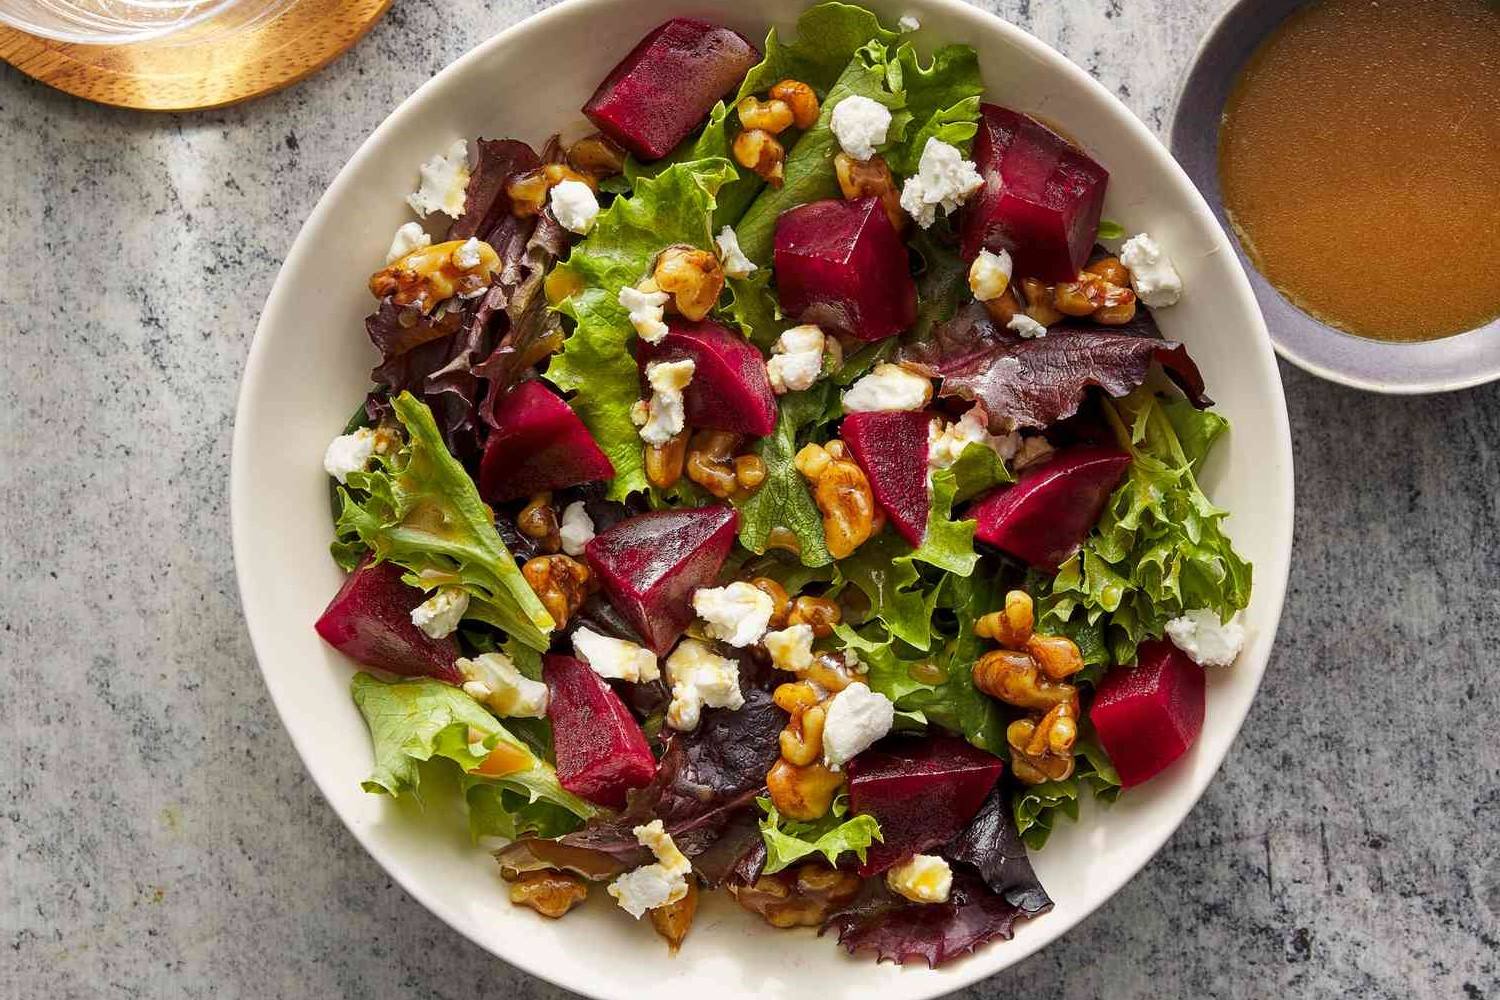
780	489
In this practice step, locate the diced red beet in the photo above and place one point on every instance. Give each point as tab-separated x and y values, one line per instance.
921	791
538	444
1041	197
369	621
601	751
841	265
650	565
1149	714
729	390
668	84
892	449
1044	516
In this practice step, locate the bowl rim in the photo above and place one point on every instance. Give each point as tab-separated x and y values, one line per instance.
1398	368
1272	574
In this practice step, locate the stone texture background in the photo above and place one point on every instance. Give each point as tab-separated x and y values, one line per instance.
158	837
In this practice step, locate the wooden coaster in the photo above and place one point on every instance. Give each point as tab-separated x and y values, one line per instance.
167	76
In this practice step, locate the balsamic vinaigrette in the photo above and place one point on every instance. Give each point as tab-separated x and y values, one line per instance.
1359	158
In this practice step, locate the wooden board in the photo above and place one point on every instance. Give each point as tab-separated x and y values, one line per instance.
168	76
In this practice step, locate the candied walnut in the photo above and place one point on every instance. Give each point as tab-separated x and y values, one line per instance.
819	612
561	582
773	116
1004	307
863	178
674	920
433	274
1057	655
1112	270
712	464
1013	677
1011	628
538	522
801	99
829	671
1094	295
1029	671
528	192
803	896
664	461
780	603
757	150
551	893
842	493
596	156
1039	301
802	792
802	739
794	696
1042	749
694	278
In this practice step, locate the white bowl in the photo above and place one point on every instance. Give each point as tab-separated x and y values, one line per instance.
308	369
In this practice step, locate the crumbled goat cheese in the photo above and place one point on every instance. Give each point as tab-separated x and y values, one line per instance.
946	441
445	178
614	658
408	238
577	528
856	718
646	309
665	413
700	678
860	124
888	387
738	614
989	275
439	615
908	23
736	264
791	647
944	179
1026	326
467	255
1206	640
574	206
1155	280
926	878
653	885
796	359
493	680
349	453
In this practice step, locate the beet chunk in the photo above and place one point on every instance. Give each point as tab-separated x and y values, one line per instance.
668	84
729	390
841	265
650	565
1041	197
892	449
601	751
1047	513
921	791
1149	714
369	621
538	444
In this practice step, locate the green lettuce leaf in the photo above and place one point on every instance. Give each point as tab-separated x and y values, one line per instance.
713	141
415	721
883	571
978	468
942	99
828	35
676	206
750	304
783	499
420	510
1037	807
947	544
943	284
789	841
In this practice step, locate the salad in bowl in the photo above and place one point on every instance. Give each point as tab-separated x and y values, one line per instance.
779	488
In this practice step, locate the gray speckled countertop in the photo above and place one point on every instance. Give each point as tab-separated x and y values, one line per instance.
158	837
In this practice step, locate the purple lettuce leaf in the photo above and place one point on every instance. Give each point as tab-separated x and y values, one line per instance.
900	931
485	200
991	846
1036	382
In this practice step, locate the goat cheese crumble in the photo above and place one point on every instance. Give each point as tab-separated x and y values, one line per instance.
888	388
736	264
925	878
908	23
574	206
856	718
1155	280
349	453
493	680
659	884
664	415
738	614
796	359
445	179
646	309
1026	326
790	648
615	659
467	255
946	441
577	528
408	238
1205	639
989	275
944	179
700	678
860	124
439	615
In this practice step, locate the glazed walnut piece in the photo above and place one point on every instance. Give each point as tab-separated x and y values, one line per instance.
550	892
1042	750
560	582
802	792
528	192
842	493
713	465
863	178
803	896
433	274
538	522
694	278
674	920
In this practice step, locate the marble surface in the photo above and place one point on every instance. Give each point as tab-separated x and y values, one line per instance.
158	837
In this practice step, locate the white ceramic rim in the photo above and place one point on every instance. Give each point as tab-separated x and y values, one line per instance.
1271	574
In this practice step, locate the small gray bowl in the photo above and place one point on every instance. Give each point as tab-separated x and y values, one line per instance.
1457	362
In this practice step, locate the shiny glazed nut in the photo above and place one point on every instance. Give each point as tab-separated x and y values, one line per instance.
771	116
596	156
1093	295
674	920
1111	270
863	178
1011	627
804	896
710	463
804	793
1057	655
802	739
801	99
550	893
1042	750
781	604
794	696
433	274
1013	677
528	192
1039	304
758	151
1003	308
693	277
842	493
560	582
819	612
664	462
829	672
538	522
